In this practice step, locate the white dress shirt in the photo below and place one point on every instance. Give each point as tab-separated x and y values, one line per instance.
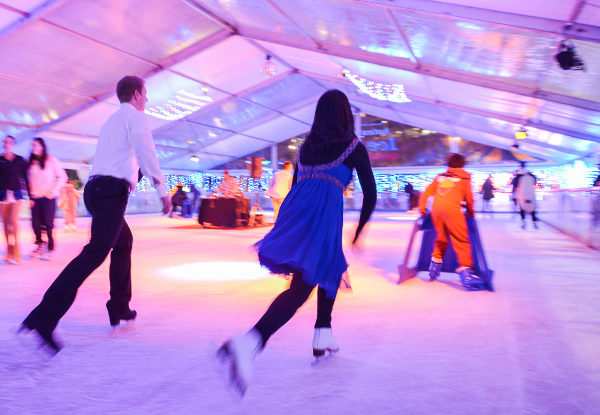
280	185
46	182
125	144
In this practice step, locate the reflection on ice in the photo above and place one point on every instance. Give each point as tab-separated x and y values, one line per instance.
216	271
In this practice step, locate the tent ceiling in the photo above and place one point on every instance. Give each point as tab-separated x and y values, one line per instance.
479	69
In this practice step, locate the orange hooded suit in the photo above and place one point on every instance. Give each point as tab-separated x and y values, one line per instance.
449	190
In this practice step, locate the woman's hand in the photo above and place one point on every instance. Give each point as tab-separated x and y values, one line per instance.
356	243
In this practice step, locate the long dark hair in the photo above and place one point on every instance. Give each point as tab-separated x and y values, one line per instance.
40	159
333	121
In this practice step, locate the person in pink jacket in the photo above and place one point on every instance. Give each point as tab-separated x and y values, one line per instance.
280	186
46	178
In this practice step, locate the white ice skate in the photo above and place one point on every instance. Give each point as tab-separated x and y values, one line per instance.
241	350
324	344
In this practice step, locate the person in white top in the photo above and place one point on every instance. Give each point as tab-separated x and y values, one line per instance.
125	144
524	190
280	187
46	178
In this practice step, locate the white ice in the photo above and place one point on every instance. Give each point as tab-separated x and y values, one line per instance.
531	347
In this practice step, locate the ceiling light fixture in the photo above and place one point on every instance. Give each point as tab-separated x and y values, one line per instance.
195	159
378	90
521	134
182	104
269	68
567	57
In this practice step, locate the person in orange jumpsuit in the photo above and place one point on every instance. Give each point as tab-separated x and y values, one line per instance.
449	191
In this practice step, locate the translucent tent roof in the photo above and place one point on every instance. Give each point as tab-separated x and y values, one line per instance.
477	69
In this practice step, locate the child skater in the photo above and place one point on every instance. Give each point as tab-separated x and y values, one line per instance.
69	196
449	190
306	240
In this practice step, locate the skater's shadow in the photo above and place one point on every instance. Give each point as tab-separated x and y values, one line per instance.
445	279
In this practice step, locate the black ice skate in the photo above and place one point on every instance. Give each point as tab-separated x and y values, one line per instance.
469	281
47	339
435	268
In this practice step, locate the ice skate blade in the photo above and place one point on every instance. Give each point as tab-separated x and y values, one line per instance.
224	355
122	326
47	342
322	355
475	287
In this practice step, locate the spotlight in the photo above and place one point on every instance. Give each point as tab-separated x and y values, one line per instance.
521	134
195	159
567	57
269	68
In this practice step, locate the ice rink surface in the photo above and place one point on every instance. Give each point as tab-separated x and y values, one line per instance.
531	347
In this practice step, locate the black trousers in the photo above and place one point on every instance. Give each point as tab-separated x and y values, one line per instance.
105	198
533	217
288	302
42	219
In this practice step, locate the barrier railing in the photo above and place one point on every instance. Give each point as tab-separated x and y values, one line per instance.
575	212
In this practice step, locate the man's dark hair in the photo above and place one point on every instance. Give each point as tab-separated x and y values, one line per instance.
522	164
456	160
10	136
127	86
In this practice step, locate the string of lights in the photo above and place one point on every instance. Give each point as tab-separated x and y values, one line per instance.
577	176
182	104
378	90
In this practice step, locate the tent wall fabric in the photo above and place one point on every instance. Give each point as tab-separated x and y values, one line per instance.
227	78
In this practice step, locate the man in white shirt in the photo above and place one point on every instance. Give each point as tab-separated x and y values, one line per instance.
280	187
125	144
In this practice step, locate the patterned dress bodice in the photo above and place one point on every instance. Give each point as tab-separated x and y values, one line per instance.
335	172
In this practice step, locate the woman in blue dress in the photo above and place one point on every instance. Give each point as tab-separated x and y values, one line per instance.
306	240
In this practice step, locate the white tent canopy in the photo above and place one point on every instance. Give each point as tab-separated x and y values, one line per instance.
477	69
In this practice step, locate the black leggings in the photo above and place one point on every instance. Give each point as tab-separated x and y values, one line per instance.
288	302
42	219
533	217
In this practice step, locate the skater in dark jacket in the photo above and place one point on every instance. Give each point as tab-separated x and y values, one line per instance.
306	240
487	191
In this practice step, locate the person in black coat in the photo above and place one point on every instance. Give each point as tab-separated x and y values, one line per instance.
487	191
178	198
